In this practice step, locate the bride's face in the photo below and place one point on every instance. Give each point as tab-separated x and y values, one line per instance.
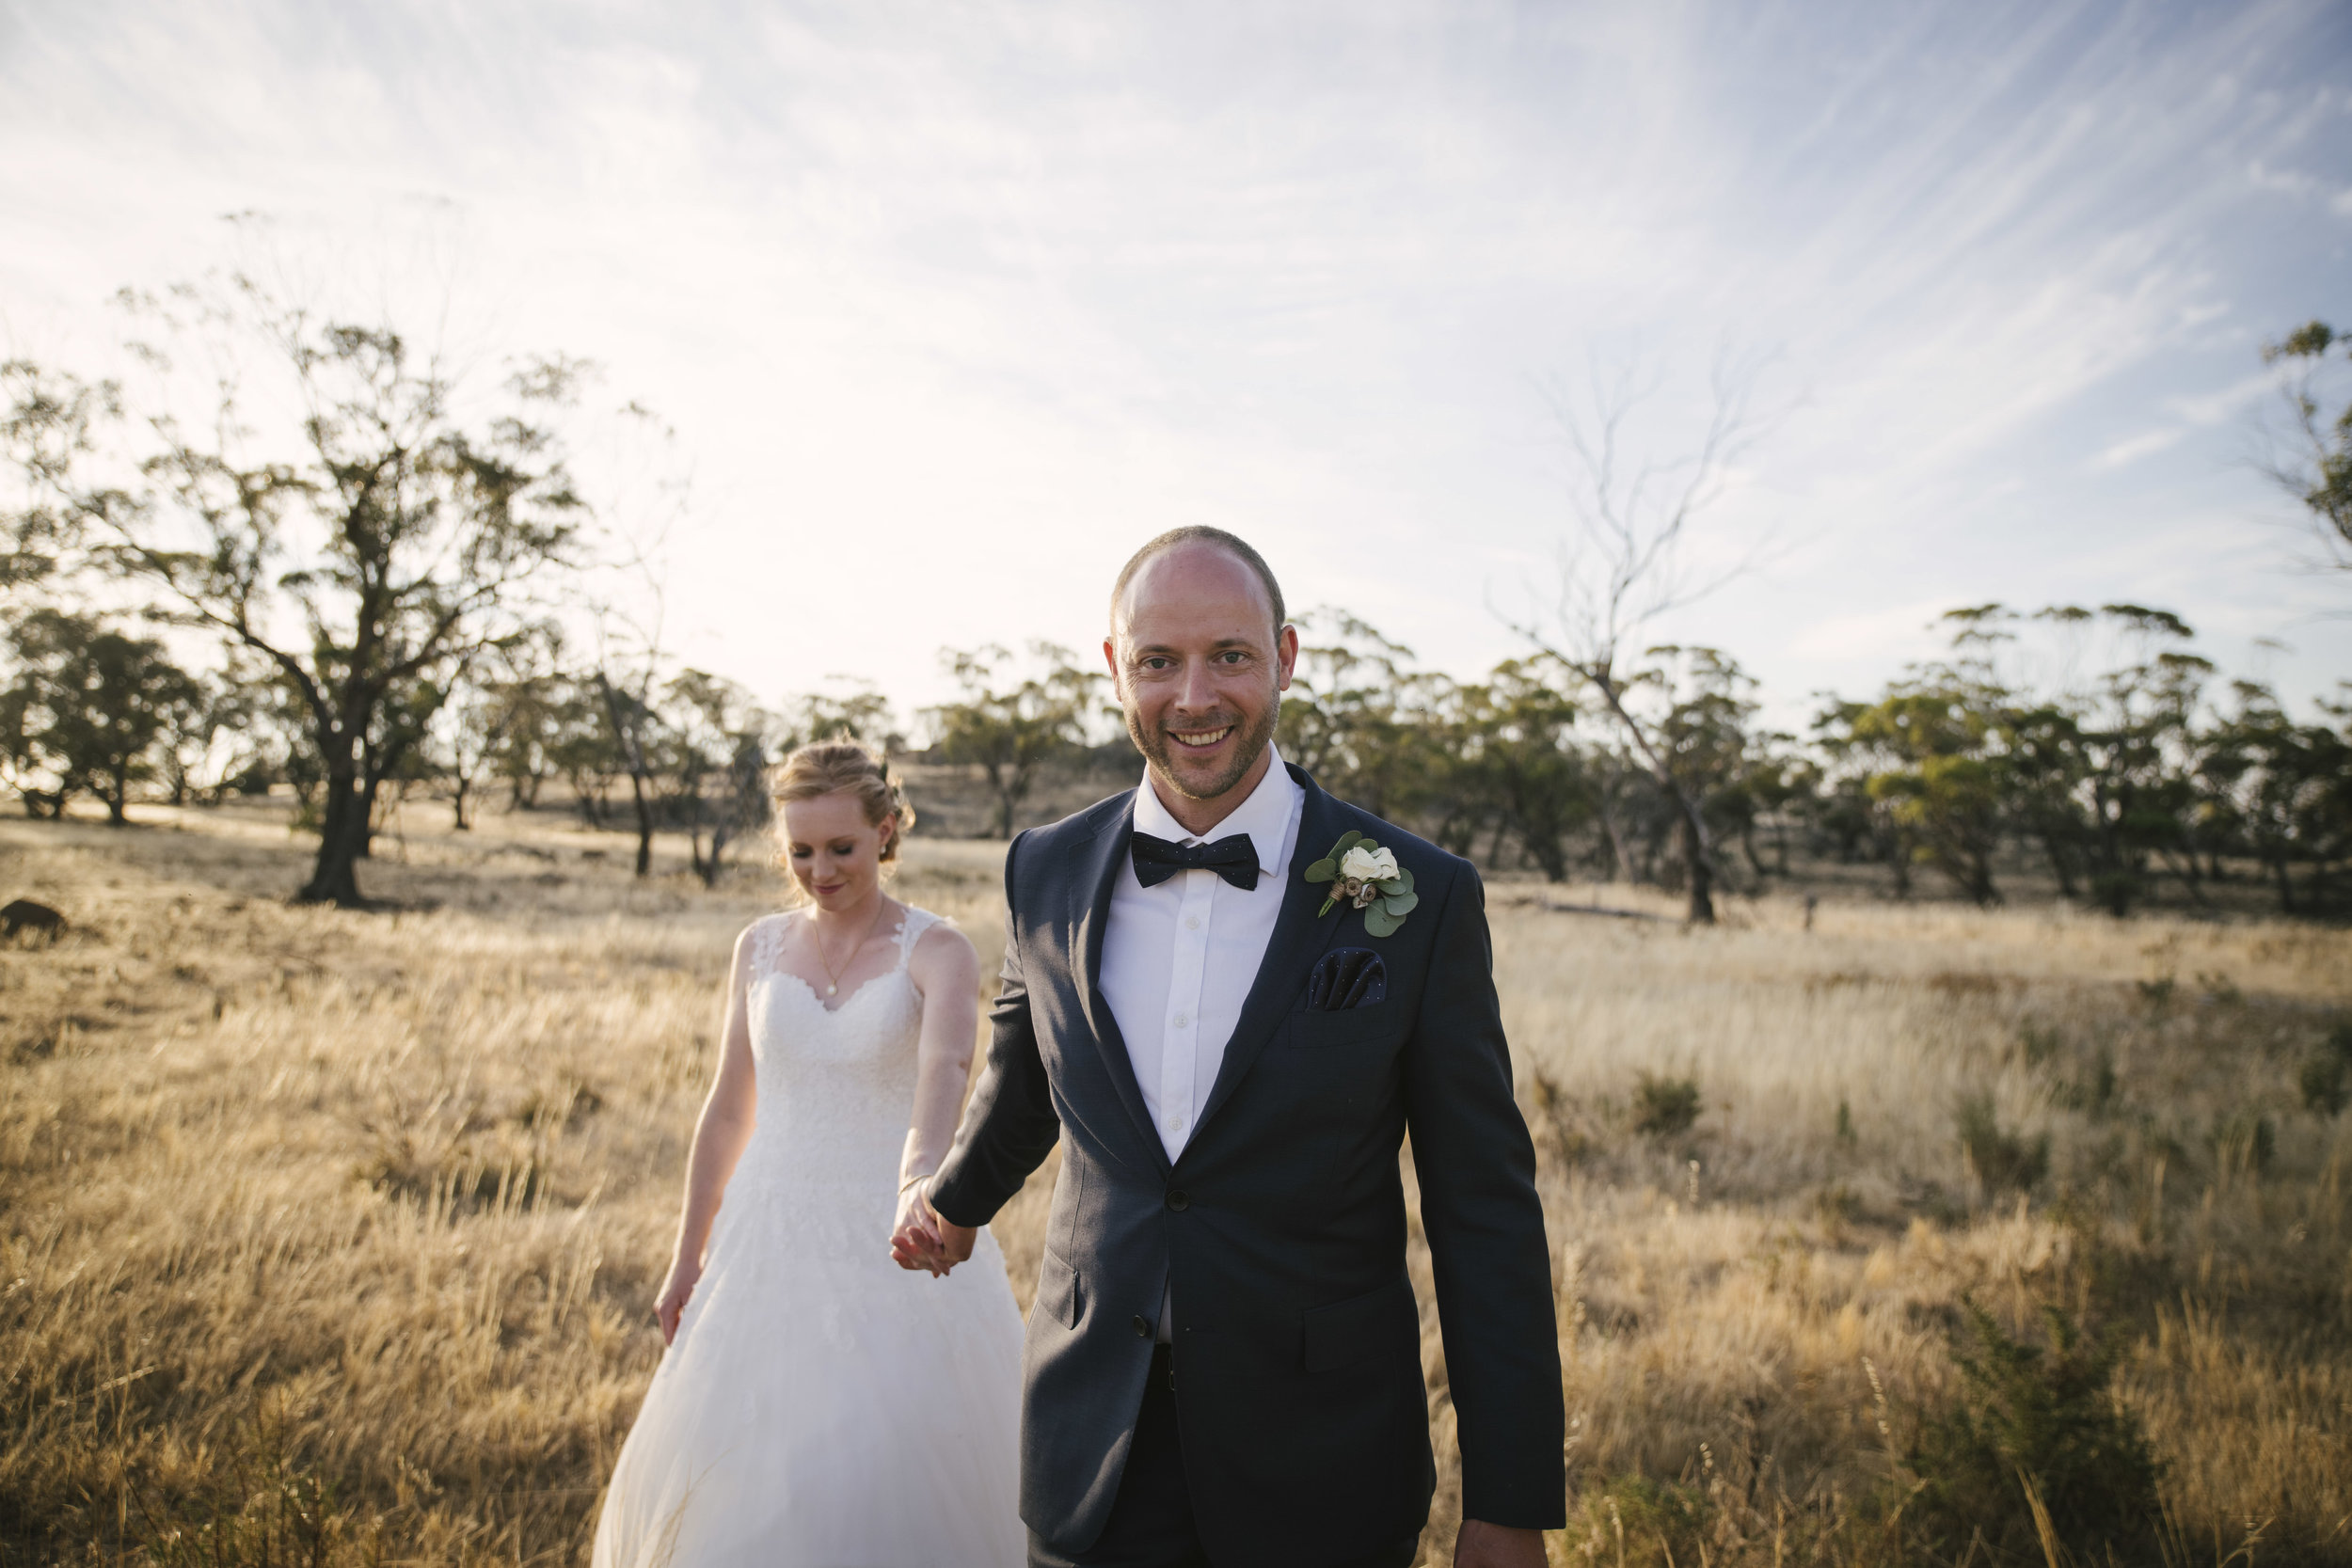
834	853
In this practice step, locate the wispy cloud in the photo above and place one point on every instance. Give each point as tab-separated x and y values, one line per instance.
933	279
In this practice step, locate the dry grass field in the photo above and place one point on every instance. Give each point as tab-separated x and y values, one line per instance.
328	1237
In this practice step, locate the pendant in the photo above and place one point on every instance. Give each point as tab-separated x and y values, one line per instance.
832	988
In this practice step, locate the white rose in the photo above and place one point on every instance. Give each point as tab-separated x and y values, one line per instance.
1368	866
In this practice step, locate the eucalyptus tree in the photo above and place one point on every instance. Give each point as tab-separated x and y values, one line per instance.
856	710
1624	563
87	707
1512	739
1010	725
1930	755
343	511
2315	464
724	744
1934	755
2282	793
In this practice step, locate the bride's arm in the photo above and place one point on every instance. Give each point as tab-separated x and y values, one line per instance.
720	1134
947	972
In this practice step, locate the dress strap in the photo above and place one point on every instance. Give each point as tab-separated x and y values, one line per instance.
911	931
765	952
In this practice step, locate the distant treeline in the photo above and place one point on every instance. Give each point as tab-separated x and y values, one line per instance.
408	590
2149	768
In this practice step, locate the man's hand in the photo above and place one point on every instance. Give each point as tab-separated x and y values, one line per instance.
925	1241
1481	1544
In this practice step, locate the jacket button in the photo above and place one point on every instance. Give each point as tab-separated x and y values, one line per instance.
1143	1326
1177	1201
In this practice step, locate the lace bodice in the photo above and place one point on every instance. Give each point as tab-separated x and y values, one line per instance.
836	1087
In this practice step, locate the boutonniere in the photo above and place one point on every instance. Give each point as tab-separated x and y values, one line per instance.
1368	877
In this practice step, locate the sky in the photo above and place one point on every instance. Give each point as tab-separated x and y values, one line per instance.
952	306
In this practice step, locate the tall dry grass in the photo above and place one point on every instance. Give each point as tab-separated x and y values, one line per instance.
331	1235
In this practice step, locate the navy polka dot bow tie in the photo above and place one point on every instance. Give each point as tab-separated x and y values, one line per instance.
1233	858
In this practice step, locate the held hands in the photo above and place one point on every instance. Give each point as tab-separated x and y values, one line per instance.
1481	1544
923	1240
676	1291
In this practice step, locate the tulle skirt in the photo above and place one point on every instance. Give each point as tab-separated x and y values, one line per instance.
821	1407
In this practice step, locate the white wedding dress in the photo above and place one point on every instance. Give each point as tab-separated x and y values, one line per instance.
821	1407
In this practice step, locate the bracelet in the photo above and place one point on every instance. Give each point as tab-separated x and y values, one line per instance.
913	1179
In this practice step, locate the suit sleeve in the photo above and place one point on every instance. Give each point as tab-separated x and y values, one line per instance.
1011	1125
1492	1261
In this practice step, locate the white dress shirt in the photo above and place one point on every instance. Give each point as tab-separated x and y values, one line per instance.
1179	959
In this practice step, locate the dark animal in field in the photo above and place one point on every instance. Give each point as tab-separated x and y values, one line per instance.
23	914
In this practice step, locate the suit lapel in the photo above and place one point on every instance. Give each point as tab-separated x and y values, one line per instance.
1299	939
1096	875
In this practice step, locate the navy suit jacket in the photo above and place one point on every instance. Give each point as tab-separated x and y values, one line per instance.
1281	1224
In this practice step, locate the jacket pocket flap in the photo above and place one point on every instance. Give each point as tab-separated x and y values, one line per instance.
1058	1290
1350	1330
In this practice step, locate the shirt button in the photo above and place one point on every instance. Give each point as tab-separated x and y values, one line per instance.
1181	1020
1176	1124
1192	923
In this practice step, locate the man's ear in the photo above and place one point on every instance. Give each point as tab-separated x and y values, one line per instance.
1110	657
1285	658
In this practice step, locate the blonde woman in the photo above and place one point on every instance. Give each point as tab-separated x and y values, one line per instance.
817	1407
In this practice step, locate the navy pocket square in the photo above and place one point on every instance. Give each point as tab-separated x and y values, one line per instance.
1347	978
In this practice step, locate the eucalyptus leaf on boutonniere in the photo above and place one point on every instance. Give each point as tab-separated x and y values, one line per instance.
1366	876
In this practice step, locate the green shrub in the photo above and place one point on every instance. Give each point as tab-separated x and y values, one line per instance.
2042	1416
1665	1107
2003	1161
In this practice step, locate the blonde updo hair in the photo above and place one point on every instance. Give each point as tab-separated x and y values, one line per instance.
828	765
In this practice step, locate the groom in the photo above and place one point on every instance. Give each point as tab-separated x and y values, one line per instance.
1223	1363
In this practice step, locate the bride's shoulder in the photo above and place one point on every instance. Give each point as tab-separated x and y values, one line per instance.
761	937
936	943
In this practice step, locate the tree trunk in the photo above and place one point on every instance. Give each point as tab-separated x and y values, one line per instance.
1980	886
343	831
645	823
718	850
365	824
2286	883
1006	794
1702	911
2060	864
119	797
701	868
1898	859
1695	848
457	806
1621	863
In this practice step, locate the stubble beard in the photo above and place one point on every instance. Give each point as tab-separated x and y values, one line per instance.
1153	744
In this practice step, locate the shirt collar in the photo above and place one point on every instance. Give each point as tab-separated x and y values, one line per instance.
1265	817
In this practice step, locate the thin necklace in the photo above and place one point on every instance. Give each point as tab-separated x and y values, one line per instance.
832	980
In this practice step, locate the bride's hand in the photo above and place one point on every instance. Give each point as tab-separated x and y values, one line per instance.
926	1239
915	1232
675	1290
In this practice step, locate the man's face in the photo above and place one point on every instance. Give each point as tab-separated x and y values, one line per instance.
1200	668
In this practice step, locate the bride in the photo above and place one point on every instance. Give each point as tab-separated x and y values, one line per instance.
816	1408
